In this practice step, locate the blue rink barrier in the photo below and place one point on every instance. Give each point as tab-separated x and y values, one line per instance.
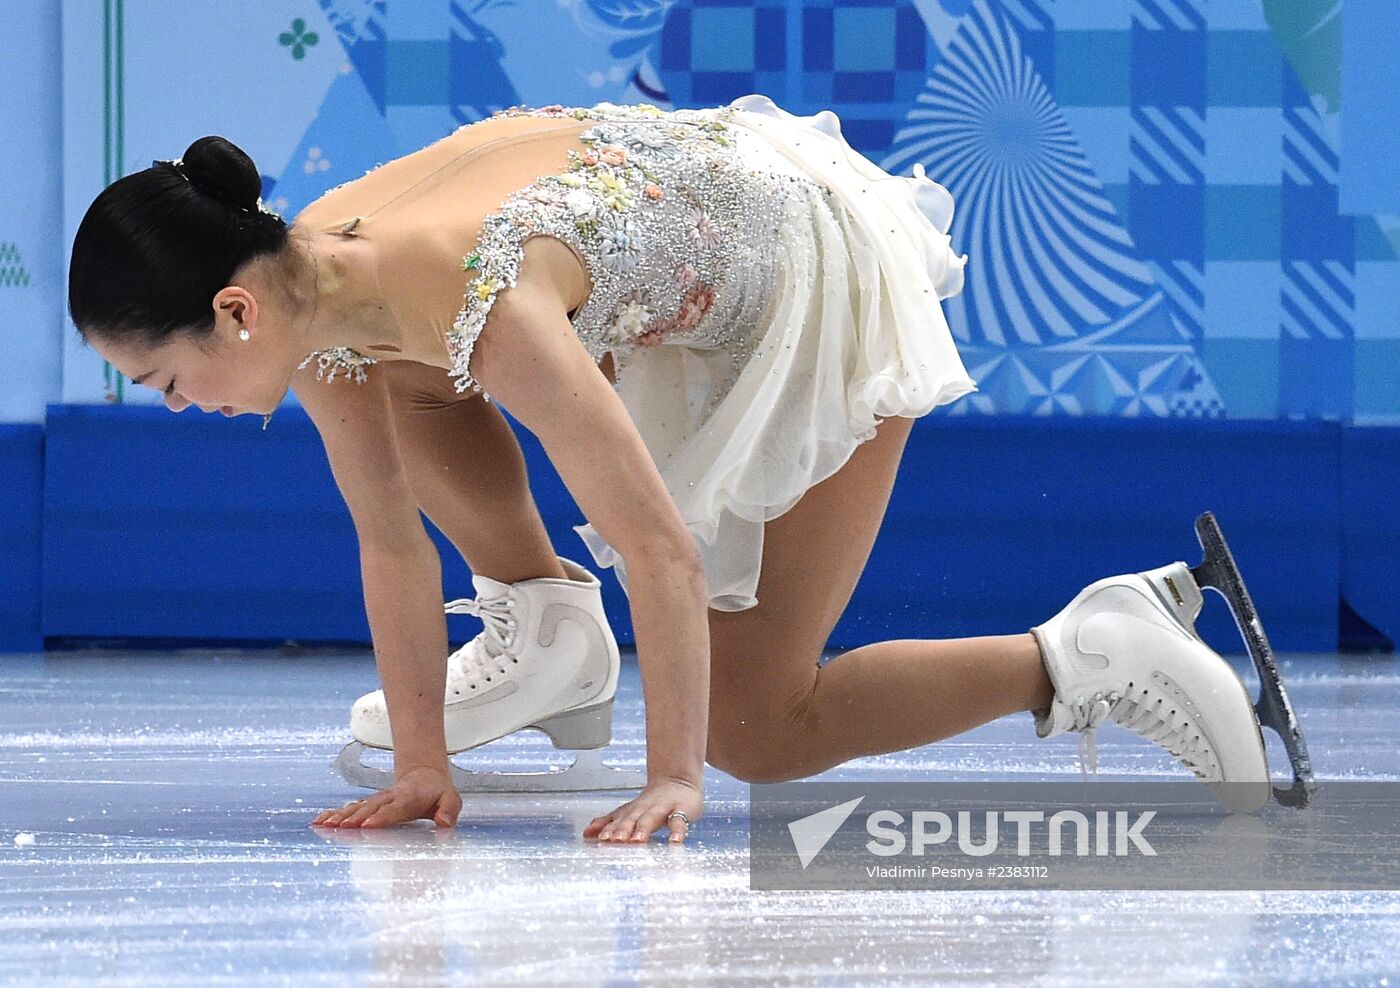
169	529
21	501
1371	525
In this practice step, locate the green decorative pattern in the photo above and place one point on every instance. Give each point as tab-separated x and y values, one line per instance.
298	39
113	132
1310	34
12	272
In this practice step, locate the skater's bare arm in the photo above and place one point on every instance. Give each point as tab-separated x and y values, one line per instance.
530	358
399	565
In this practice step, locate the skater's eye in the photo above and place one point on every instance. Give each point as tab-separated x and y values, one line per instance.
171	386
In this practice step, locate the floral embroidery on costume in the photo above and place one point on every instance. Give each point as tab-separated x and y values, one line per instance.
674	224
634	315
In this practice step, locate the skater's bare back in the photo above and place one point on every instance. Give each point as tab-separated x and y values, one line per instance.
423	214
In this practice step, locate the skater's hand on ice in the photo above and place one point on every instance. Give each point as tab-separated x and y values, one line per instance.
637	820
420	793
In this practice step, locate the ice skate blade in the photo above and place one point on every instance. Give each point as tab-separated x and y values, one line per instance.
588	773
1218	571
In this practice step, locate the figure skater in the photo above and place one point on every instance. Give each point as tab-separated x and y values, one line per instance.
721	324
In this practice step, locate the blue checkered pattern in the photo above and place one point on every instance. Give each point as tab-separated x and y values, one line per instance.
856	58
1151	212
1229	174
1193	212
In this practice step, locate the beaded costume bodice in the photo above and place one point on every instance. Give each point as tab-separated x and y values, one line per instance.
674	214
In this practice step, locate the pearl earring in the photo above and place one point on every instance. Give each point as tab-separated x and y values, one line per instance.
243	334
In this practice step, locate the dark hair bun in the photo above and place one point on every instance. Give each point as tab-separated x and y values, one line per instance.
158	244
219	168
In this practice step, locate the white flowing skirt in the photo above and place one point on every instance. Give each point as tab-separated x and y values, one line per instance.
854	334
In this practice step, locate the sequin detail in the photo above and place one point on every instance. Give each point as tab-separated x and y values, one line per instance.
338	359
672	219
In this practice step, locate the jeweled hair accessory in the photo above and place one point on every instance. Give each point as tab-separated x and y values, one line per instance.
178	164
265	208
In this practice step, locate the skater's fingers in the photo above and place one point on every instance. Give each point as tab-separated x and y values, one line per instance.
329	813
649	823
383	817
597	824
362	809
678	829
390	810
331	818
609	822
359	816
620	830
645	826
446	810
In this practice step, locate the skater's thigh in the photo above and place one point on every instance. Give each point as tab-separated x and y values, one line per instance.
464	462
442	435
813	555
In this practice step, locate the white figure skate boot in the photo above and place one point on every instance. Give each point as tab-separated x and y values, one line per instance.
1126	649
545	660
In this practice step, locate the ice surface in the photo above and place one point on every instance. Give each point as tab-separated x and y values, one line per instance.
169	796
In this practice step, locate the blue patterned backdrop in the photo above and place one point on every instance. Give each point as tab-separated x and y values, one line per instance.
1161	216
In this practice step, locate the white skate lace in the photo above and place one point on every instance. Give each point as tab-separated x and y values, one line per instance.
487	654
1139	711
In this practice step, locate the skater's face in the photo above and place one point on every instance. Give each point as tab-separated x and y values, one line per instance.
221	372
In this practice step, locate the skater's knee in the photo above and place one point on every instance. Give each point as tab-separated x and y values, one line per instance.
751	763
762	741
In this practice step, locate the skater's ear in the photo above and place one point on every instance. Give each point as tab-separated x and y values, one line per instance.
237	306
